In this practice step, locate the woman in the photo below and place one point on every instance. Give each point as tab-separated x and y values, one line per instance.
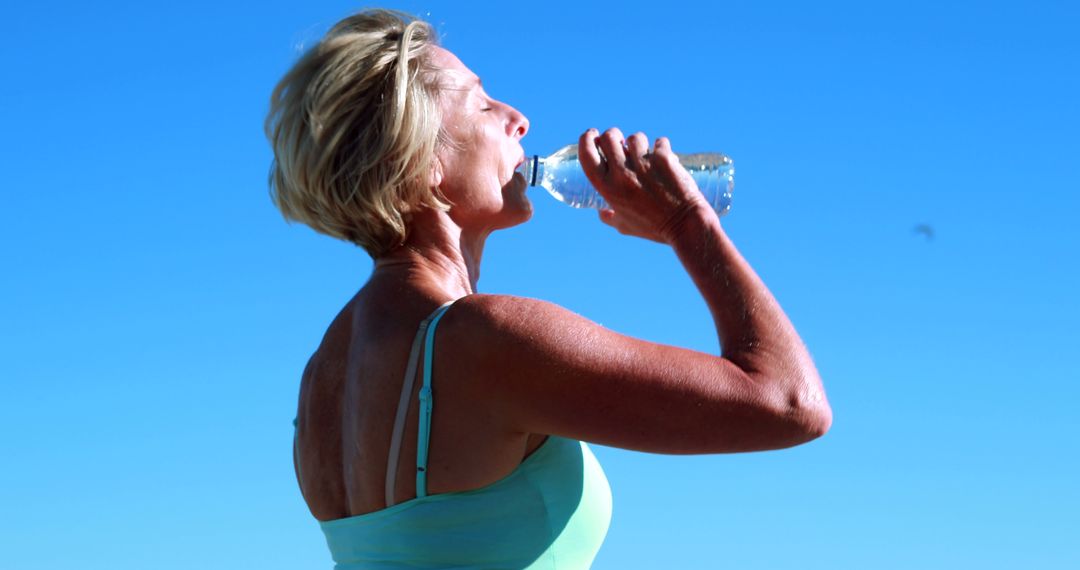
387	140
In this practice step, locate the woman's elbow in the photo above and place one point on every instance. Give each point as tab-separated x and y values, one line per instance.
808	411
821	423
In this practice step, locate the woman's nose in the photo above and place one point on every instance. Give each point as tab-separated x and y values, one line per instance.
518	124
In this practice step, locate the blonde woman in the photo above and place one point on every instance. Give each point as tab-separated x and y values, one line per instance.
467	448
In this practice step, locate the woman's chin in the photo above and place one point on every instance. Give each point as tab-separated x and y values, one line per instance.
528	211
521	209
516	199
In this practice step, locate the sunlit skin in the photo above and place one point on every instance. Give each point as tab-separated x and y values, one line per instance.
440	260
476	173
511	371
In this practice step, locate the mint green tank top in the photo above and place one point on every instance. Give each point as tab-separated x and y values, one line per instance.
552	512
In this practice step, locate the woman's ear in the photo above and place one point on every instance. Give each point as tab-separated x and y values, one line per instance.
436	174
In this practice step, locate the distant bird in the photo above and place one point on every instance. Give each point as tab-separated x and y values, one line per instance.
926	230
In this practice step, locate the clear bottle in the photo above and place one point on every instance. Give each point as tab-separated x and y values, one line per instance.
561	175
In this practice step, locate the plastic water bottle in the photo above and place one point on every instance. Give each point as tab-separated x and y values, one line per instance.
561	175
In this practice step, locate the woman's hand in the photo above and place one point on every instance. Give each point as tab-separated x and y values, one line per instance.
649	193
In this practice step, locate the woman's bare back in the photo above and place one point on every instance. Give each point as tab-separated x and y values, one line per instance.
349	398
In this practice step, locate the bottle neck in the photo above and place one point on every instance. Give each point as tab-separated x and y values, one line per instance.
536	171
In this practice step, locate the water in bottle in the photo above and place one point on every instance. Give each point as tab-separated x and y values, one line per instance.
561	175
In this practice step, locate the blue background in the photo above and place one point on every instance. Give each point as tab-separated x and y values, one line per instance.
157	312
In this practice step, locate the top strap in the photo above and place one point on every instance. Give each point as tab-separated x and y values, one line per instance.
425	407
426	326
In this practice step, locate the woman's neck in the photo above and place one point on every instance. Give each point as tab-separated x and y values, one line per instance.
438	256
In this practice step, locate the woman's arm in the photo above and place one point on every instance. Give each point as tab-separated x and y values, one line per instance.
543	369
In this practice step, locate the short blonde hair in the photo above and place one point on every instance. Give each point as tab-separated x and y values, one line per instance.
354	125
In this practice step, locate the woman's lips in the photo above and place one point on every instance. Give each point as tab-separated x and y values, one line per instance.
520	167
517	168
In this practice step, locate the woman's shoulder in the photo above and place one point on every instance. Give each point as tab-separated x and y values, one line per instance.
496	301
482	322
503	311
505	332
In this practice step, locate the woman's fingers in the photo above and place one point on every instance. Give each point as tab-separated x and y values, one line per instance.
662	150
611	145
612	218
644	190
636	148
589	157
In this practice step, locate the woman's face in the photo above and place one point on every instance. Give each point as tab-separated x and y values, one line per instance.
484	150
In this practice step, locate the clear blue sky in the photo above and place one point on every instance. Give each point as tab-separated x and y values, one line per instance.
156	311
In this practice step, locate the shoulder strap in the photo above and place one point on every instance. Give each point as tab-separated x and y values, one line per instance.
403	405
425	407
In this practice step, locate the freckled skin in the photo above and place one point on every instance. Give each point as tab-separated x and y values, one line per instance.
510	370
